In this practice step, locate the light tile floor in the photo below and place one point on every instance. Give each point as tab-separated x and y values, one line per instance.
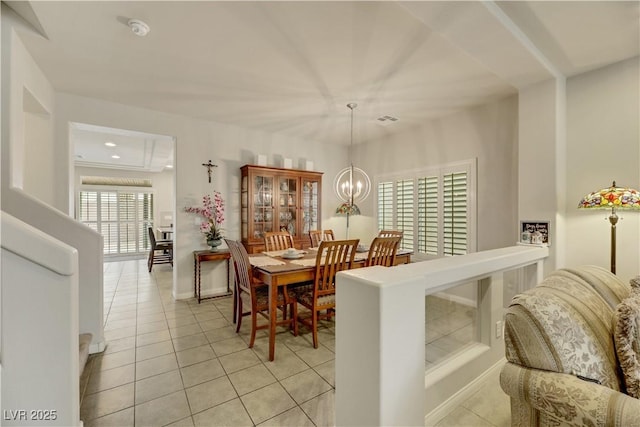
180	363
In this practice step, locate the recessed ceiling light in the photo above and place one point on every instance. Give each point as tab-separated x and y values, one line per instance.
169	166
115	156
110	144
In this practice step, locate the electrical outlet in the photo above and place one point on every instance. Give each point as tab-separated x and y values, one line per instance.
499	329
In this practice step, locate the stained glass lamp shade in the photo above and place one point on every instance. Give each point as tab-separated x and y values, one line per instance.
614	198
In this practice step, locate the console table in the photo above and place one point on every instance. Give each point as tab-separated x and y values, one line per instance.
204	256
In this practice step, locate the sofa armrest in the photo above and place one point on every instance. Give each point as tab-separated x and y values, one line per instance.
552	398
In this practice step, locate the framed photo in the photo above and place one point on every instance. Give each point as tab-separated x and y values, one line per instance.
534	232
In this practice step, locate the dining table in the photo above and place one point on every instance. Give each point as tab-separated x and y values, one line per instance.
166	232
277	269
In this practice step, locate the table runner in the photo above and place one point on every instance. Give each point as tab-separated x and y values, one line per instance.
262	261
306	262
281	252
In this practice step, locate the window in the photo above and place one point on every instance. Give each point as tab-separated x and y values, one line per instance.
435	208
121	216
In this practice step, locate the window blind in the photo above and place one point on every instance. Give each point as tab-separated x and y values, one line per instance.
455	214
434	208
405	212
121	217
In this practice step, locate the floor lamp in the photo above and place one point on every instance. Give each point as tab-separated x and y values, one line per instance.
614	198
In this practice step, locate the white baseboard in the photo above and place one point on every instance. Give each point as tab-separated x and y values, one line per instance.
435	416
97	347
189	295
183	295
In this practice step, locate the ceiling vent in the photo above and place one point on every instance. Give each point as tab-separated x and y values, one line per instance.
386	120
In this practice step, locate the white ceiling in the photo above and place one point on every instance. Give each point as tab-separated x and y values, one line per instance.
135	150
292	67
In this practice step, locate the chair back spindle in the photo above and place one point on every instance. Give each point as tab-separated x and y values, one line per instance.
277	241
328	235
383	251
333	256
316	237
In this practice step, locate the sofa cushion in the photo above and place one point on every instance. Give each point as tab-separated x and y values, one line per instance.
627	341
565	325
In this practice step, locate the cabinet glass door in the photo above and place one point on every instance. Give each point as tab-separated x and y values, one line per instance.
288	205
263	206
310	205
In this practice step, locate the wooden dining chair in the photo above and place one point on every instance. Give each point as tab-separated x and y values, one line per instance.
160	251
277	240
316	237
328	235
333	256
254	294
390	233
382	251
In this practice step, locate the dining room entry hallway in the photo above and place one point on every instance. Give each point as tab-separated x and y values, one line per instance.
181	363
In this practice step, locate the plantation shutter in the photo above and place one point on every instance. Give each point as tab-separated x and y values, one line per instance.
455	213
435	209
405	212
121	217
88	209
145	206
385	205
428	215
108	226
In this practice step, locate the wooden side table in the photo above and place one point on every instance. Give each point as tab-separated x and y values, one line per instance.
204	256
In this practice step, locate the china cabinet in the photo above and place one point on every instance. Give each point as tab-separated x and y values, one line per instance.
275	199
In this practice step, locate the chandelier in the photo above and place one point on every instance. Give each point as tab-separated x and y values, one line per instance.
352	184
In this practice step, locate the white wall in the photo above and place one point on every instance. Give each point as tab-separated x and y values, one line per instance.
488	133
40	358
537	167
38	152
603	144
197	141
27	100
34	192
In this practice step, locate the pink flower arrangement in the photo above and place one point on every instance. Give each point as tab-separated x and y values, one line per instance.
213	212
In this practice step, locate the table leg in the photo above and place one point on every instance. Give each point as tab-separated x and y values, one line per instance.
195	277
198	281
273	317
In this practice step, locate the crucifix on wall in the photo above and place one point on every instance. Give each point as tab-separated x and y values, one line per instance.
209	166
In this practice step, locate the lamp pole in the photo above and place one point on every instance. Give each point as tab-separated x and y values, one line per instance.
613	219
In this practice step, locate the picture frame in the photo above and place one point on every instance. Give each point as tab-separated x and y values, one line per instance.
534	232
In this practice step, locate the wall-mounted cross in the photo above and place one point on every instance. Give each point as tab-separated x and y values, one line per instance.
209	166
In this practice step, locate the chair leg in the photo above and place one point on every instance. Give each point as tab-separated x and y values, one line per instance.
294	317
235	305
314	327
150	261
239	314
254	325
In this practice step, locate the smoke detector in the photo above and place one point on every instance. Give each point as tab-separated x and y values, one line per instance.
138	27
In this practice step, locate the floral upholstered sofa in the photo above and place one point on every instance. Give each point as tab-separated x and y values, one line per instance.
562	368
